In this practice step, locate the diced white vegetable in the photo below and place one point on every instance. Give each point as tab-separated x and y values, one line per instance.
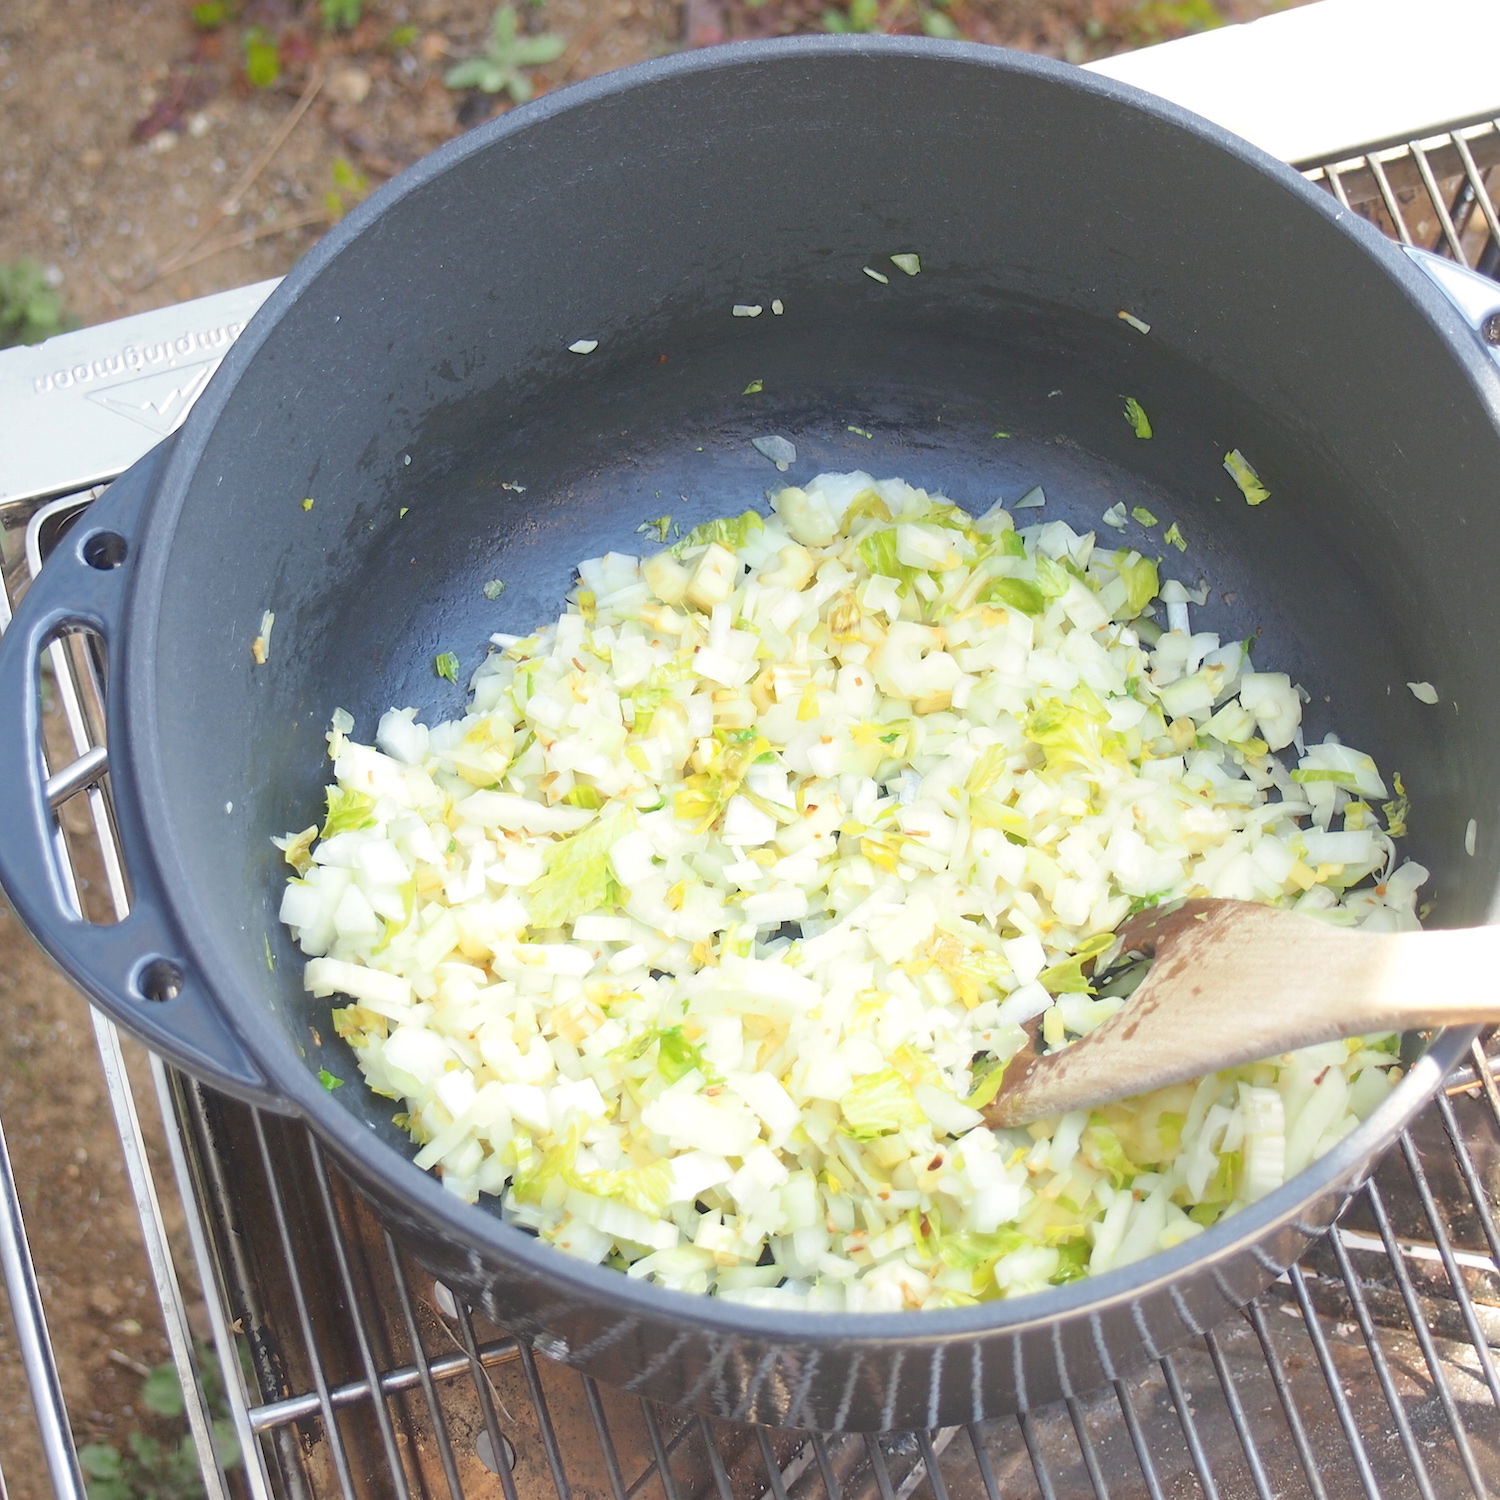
685	939
714	577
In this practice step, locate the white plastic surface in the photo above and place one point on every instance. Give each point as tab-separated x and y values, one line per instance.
83	406
1333	77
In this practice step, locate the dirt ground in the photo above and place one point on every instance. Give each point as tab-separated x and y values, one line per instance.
150	180
142	168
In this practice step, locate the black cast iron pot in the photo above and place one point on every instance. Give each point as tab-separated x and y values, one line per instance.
415	368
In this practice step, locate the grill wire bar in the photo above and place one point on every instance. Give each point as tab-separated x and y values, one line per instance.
1369	1369
1425	192
31	1336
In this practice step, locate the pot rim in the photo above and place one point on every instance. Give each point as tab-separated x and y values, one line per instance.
482	1230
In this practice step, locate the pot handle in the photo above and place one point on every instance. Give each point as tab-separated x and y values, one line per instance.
1476	297
136	970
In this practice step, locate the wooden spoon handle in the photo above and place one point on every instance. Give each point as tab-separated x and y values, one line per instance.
1234	982
1291	969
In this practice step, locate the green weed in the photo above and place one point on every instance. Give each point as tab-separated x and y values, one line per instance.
30	310
262	58
501	68
149	1468
1158	20
340	15
857	16
349	186
867	16
211	15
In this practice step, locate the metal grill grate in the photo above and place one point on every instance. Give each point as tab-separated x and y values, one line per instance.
1432	192
1370	1369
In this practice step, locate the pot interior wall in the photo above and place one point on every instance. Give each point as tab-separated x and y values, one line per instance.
421	372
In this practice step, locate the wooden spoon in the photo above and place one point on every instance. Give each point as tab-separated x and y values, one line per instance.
1234	982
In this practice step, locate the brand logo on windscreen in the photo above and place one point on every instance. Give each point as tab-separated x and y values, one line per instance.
142	359
158	401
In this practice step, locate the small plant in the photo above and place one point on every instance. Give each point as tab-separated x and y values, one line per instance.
340	15
30	308
262	58
1159	20
349	186
211	15
857	16
501	67
149	1468
938	23
868	16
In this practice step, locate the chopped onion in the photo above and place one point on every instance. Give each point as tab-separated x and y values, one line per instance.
260	647
779	450
698	940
